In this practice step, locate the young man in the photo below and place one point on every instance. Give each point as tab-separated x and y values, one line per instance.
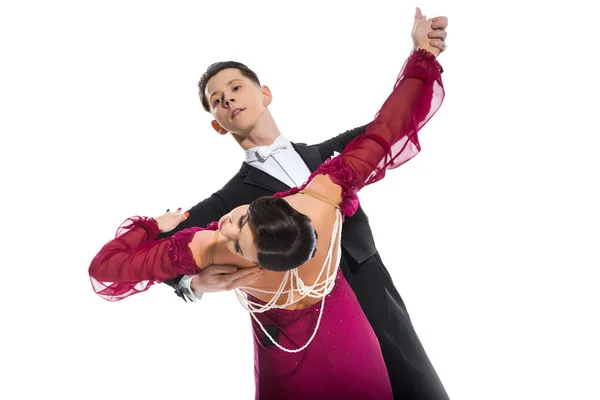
232	94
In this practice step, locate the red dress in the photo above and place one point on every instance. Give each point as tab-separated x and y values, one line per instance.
344	359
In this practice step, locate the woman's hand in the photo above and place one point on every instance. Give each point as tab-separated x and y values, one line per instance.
169	221
420	32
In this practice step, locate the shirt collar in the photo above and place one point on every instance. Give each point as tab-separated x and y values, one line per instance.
262	153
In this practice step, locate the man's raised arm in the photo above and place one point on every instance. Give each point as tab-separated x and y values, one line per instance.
337	143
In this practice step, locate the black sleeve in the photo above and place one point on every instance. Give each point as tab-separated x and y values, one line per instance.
202	214
337	143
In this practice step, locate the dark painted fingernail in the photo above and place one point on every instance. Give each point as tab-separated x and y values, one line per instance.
168	209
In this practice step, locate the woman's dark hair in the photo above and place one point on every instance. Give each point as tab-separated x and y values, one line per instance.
285	239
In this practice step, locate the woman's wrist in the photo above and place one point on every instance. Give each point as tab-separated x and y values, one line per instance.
433	50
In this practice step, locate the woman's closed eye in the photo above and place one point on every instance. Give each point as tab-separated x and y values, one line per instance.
241	221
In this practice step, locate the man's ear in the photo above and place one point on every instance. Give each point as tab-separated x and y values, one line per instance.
267	96
218	128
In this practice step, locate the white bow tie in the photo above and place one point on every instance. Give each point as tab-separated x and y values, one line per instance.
263	152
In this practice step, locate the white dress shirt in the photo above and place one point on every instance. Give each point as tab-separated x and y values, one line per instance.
282	162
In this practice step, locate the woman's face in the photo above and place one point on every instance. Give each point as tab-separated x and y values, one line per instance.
234	228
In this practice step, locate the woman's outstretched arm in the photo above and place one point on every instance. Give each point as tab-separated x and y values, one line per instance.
134	260
391	139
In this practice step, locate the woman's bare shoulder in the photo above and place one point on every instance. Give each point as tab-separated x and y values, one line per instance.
200	245
322	185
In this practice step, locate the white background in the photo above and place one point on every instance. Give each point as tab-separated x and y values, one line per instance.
491	233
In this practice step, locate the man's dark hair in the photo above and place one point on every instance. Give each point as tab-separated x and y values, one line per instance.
217	67
285	239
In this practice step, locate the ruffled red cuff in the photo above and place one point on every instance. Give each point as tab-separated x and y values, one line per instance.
421	64
340	174
178	249
148	224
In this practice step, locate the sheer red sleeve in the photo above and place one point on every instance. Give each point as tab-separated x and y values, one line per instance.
391	139
133	261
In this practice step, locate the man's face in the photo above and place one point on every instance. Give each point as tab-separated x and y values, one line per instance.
236	102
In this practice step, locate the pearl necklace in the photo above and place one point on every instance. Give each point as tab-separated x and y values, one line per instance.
317	290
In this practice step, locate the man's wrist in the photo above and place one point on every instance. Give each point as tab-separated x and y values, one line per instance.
185	285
